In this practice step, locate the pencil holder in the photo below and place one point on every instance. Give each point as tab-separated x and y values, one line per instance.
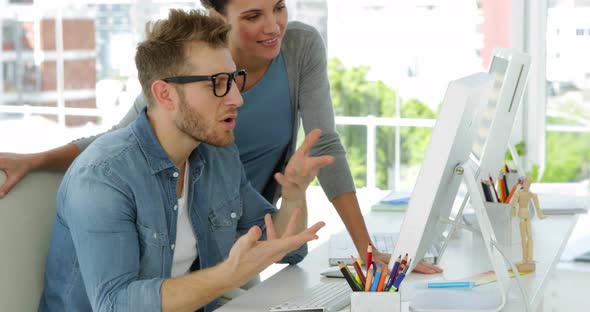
375	301
504	225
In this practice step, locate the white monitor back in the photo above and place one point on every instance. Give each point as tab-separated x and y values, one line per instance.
27	214
510	71
450	144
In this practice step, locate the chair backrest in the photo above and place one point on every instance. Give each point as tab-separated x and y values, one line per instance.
27	214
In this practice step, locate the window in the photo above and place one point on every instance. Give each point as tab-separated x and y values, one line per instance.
568	95
386	93
68	71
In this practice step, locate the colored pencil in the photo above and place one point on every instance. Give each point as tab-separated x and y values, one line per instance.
382	279
377	278
369	278
359	271
369	255
346	273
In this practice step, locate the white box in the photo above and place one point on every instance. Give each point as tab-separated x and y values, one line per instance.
375	301
505	226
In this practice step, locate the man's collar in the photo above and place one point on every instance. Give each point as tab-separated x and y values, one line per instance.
149	144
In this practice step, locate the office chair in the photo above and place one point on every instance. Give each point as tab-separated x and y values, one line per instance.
27	214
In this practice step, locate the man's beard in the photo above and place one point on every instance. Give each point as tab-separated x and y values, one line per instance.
195	125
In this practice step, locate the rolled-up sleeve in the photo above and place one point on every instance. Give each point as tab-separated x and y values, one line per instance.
101	218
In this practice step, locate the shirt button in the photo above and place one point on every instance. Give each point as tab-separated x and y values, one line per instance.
172	247
175	207
233	215
175	174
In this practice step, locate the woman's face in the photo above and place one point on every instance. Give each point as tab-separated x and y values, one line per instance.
258	26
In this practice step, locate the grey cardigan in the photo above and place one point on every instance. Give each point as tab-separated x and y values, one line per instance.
305	57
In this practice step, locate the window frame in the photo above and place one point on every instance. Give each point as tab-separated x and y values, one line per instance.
528	33
35	13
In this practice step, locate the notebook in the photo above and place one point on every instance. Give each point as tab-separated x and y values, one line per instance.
583	258
394	201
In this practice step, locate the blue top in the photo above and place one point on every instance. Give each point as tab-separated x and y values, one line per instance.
112	242
264	125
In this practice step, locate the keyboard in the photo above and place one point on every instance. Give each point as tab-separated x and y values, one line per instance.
342	247
385	242
324	297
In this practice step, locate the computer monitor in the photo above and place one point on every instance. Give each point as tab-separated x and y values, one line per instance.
510	71
436	186
450	145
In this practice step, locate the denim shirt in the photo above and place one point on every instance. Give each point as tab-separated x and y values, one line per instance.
113	238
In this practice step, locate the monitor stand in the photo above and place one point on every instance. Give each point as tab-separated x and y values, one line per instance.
454	300
455	222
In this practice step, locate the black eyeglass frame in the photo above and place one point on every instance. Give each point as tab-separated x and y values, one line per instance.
212	78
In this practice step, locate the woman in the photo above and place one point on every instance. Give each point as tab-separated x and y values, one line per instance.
287	80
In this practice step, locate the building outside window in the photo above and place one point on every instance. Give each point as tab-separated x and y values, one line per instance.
67	67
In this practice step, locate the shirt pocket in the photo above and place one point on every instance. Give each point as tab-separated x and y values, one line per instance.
152	253
224	222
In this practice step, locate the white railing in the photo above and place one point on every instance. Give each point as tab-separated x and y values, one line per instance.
567	128
372	122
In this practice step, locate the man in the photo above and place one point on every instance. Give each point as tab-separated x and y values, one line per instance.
148	215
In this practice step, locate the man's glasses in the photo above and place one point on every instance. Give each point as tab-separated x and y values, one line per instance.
221	81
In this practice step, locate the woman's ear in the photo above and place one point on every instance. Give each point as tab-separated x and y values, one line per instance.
215	13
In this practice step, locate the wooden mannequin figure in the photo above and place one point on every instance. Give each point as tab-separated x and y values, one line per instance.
521	199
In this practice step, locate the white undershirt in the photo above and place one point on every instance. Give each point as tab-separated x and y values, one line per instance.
185	248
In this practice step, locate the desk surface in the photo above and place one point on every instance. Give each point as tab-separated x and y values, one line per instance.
464	257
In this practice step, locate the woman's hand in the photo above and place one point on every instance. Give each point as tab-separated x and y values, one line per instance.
16	167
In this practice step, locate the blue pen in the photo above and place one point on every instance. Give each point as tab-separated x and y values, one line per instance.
391	278
451	284
401	275
398	280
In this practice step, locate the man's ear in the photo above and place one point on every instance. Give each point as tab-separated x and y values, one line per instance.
165	95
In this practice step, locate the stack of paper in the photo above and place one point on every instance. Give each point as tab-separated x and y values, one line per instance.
557	204
394	201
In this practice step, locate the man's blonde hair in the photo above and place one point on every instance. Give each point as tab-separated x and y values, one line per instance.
164	52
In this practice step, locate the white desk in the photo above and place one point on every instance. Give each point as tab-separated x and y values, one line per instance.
463	258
